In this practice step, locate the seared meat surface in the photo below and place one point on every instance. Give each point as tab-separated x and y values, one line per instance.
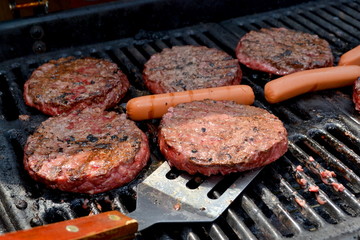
184	68
282	51
356	94
68	84
88	152
212	137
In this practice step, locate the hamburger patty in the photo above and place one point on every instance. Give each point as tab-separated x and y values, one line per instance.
282	51
212	137
356	94
67	84
88	152
184	68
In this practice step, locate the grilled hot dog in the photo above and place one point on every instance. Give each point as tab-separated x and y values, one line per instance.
351	57
302	82
154	106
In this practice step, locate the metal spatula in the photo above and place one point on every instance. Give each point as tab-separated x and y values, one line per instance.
161	197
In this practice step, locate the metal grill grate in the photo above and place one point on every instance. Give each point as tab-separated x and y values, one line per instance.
324	135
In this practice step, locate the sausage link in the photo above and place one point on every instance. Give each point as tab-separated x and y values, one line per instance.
154	106
302	82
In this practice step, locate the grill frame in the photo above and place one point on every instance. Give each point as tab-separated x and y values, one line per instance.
331	123
131	18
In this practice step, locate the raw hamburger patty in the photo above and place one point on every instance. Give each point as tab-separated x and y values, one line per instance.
88	152
356	94
212	137
184	68
282	51
68	84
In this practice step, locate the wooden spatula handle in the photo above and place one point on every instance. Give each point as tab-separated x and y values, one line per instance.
107	225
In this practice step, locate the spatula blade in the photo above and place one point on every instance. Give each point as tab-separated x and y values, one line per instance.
162	199
159	199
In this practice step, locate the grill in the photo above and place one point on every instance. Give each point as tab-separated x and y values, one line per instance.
323	127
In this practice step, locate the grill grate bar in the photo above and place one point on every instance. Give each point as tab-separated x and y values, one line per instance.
342	169
177	41
16	98
345	135
190	235
321	196
312	219
161	44
216	232
352	124
288	21
260	220
264	24
291	113
9	179
96	53
276	22
20	73
189	40
330	180
306	24
337	147
135	62
352	8
345	27
238	226
149	50
9	107
330	28
226	42
250	26
204	40
129	68
5	223
282	215
347	15
119	205
140	59
236	29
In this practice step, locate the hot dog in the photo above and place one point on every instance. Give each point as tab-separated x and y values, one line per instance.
302	82
351	57
154	106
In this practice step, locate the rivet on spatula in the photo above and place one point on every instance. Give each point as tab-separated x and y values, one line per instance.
72	228
114	217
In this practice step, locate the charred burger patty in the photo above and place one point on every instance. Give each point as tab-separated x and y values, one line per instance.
212	137
182	68
67	84
88	152
282	51
356	94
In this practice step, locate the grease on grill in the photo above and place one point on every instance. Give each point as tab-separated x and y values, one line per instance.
177	206
21	204
36	221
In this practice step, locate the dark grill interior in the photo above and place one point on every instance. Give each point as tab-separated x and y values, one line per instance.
324	135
